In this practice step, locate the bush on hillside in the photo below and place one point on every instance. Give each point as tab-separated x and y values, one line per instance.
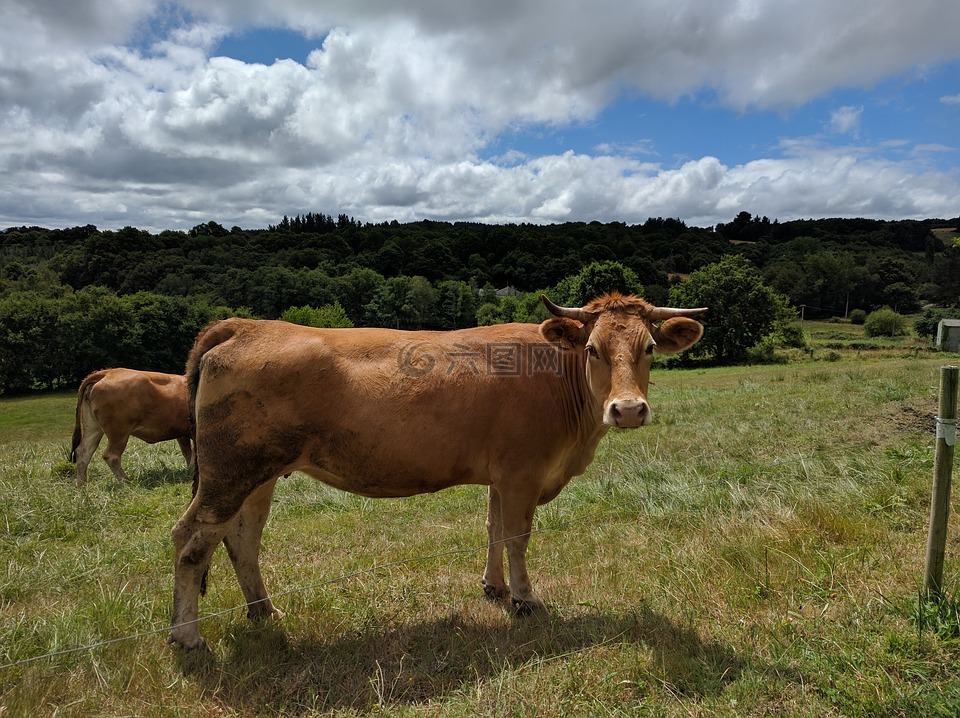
858	316
885	322
329	315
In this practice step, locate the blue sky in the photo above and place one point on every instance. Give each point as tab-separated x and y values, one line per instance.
266	45
163	114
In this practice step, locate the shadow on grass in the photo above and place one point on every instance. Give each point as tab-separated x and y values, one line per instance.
151	478
161	476
265	670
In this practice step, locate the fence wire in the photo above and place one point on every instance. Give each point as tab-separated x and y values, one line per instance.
582	518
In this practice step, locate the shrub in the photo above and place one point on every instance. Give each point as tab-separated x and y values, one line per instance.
858	316
329	315
885	322
791	335
763	352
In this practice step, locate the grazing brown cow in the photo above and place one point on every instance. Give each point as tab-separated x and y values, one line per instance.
122	403
384	413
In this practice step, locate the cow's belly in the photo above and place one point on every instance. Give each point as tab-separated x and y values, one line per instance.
390	469
388	484
153	436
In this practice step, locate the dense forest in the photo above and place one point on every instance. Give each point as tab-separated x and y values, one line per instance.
75	299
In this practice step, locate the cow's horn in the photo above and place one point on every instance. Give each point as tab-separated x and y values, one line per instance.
580	315
667	312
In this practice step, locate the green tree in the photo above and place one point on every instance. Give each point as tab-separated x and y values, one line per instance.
96	329
356	289
402	303
946	275
488	314
743	310
594	280
420	307
926	325
329	315
901	297
456	304
28	327
385	308
523	308
164	329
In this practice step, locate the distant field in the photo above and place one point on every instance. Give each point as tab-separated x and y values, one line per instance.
842	335
757	551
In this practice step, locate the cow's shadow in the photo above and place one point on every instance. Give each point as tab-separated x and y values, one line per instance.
264	671
155	477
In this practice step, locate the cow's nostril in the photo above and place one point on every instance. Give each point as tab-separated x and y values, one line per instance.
628	413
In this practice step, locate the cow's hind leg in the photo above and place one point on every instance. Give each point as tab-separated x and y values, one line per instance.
195	537
116	445
85	451
494	583
243	545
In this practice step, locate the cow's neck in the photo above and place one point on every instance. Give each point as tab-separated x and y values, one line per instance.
583	414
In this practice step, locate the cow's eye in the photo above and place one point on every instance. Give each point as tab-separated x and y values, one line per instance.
592	351
650	348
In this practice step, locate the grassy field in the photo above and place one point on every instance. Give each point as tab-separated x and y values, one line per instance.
757	551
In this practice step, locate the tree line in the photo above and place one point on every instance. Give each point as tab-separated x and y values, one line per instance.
76	299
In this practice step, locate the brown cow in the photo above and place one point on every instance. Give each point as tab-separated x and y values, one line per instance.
384	413
122	403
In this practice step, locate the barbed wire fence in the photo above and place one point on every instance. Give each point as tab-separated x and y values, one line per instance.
581	518
554	526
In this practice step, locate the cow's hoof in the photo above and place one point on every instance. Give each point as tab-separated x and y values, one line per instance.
258	614
523	608
496	593
190	645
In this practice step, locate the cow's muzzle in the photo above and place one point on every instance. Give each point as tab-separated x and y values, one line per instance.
627	413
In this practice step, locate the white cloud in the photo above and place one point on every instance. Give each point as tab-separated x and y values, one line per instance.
934	147
950	99
109	118
846	120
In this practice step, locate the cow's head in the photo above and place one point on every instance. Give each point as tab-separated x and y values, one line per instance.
617	336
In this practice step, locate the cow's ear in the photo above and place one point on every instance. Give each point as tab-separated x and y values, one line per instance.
564	332
677	334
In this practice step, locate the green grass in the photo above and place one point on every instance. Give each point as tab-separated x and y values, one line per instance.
843	336
757	551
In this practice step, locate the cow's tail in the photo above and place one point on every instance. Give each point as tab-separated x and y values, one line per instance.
82	393
210	336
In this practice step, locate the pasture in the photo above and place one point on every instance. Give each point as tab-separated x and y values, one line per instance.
758	550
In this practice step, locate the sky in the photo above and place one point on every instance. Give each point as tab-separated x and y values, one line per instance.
165	114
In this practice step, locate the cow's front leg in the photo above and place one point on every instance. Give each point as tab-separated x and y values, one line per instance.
494	582
516	511
195	537
243	545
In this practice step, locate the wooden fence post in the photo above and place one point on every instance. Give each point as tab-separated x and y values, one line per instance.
942	469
